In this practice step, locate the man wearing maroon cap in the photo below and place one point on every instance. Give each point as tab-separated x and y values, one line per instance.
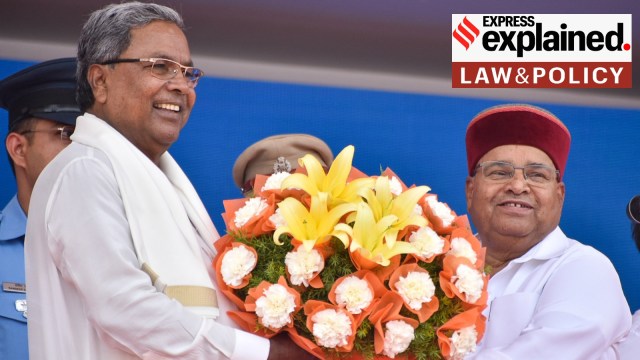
550	297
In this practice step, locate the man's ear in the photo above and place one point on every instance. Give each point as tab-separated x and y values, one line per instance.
16	145
560	191
469	188
97	78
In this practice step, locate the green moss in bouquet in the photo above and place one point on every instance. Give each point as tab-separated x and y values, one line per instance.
270	265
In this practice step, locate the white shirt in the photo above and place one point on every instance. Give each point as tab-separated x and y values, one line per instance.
88	298
560	300
629	348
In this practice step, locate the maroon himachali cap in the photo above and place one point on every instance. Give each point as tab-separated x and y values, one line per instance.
517	124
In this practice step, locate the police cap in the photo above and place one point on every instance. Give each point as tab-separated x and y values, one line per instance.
46	90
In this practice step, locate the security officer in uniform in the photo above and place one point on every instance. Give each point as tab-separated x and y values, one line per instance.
42	111
277	153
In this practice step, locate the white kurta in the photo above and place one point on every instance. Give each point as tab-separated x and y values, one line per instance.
88	298
560	300
629	348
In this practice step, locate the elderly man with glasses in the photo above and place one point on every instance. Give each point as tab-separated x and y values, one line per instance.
119	245
550	297
42	115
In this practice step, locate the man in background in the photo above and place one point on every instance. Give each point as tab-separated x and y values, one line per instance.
277	154
42	111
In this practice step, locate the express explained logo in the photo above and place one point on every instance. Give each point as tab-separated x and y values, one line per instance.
466	33
541	50
522	34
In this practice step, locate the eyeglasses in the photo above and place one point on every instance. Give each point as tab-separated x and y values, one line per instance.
64	132
502	172
165	69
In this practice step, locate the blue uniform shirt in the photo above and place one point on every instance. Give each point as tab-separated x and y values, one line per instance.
13	324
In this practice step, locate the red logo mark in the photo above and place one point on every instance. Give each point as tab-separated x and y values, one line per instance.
466	33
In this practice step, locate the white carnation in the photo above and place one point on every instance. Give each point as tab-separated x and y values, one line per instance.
331	328
416	288
253	207
468	281
397	337
354	293
236	264
460	247
274	182
441	210
417	210
275	306
395	186
427	242
303	264
277	219
463	342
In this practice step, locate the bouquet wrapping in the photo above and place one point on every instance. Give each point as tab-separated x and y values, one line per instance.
353	266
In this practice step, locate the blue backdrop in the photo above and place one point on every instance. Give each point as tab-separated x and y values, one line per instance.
421	137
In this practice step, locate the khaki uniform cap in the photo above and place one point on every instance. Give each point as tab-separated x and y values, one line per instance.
260	157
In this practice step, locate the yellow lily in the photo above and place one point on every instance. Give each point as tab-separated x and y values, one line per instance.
368	234
383	203
315	226
331	187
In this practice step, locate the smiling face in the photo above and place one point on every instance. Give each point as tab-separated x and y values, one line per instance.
513	217
148	111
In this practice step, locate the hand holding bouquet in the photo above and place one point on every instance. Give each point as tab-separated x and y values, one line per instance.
353	266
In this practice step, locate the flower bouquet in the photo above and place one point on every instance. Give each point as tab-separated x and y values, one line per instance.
353	266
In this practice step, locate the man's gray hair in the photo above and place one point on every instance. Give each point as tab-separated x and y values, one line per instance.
107	34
